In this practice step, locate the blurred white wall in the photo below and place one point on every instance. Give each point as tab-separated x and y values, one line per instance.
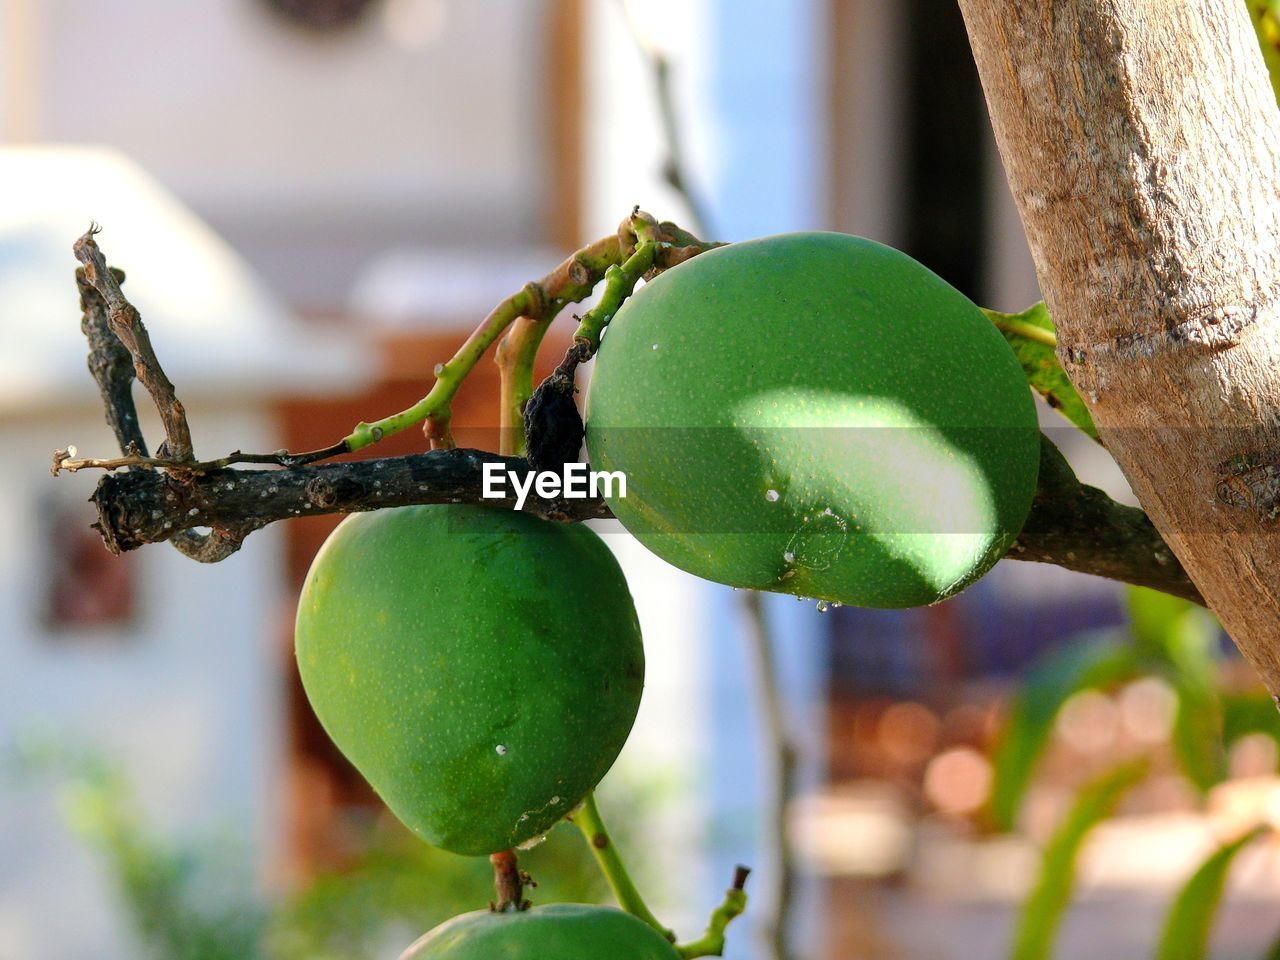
187	697
309	152
182	688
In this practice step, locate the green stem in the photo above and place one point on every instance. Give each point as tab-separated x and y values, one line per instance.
619	281
587	817
711	943
657	245
571	282
449	377
1028	331
515	357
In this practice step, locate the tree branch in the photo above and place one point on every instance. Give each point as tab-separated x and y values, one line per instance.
1072	525
171	496
1076	526
124	321
147	506
110	364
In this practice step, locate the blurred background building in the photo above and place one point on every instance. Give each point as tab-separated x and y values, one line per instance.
314	201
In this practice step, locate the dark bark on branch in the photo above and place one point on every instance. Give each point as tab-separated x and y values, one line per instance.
110	364
1076	526
146	506
1071	524
124	321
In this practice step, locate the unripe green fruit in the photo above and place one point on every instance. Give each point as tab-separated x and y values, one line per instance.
561	931
815	414
481	668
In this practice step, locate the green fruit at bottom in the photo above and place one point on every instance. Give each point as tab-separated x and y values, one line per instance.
815	414
561	931
481	668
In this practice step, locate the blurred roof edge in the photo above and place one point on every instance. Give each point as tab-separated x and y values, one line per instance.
217	330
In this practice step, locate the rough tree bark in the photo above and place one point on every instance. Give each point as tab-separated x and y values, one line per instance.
1142	143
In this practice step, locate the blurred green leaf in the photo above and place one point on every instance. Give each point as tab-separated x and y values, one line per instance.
1197	739
164	890
1274	952
1186	930
1181	638
1042	912
1081	665
1039	363
1153	616
1246	713
192	900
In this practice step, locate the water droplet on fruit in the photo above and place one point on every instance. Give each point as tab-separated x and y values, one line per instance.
823	606
789	557
771	496
555	801
819	540
654	347
500	749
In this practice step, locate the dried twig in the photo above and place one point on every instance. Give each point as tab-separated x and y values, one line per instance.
120	350
111	365
125	322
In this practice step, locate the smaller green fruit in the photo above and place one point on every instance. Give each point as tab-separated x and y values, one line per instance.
481	668
560	931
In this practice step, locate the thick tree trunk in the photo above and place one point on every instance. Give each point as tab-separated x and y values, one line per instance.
1142	143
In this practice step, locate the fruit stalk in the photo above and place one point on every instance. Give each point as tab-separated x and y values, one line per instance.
711	943
515	358
508	882
620	280
587	817
538	303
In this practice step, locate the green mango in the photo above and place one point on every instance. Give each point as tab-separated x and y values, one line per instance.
481	668
560	931
815	414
